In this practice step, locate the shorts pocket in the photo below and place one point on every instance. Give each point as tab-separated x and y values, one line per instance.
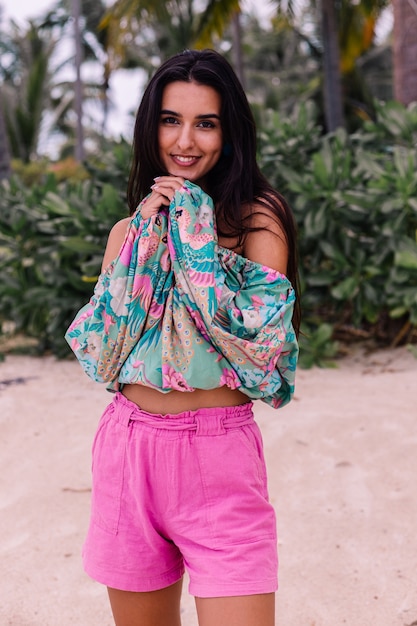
233	477
251	438
108	461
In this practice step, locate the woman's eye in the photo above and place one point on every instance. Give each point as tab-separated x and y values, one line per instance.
206	124
169	120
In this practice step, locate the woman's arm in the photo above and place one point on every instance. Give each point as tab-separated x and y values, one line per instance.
114	241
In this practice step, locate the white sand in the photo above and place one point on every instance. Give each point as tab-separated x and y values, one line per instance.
342	461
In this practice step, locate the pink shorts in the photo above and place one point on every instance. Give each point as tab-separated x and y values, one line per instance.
185	490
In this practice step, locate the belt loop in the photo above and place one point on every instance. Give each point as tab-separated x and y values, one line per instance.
123	412
209	425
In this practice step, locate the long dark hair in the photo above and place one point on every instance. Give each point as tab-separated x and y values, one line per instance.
235	180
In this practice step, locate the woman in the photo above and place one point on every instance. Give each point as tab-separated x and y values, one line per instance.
192	317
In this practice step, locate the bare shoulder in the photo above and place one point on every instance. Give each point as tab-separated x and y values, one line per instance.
115	240
268	245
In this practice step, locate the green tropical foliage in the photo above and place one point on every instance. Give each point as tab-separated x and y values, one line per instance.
354	198
52	237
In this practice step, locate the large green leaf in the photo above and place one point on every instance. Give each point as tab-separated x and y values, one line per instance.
346	289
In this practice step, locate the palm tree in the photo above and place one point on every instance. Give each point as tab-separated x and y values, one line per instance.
166	26
33	95
80	19
405	51
347	32
78	87
333	107
24	88
281	71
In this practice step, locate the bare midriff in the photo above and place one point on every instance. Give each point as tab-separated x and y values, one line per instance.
154	401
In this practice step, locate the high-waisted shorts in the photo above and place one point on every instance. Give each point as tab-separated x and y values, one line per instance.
181	491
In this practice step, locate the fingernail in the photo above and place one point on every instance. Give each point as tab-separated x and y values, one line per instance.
157	177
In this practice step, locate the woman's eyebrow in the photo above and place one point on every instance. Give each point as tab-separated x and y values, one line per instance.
207	115
203	116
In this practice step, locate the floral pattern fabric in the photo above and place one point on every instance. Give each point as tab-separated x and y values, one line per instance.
176	311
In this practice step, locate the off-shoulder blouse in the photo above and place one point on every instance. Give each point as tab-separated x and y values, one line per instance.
177	311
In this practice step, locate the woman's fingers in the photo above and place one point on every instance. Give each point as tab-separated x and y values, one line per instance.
175	181
152	204
162	192
168	185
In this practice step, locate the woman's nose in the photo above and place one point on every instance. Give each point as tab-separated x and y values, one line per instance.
185	138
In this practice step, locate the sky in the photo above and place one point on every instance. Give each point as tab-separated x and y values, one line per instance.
22	9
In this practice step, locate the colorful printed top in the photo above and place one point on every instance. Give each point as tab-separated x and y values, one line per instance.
175	310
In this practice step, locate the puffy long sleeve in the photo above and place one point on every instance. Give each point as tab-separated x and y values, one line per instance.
246	308
127	302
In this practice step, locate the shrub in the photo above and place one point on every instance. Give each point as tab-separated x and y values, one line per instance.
52	238
355	202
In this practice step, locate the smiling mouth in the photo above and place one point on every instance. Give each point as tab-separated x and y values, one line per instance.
185	159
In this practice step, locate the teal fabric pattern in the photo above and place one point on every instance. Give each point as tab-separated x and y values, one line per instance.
176	311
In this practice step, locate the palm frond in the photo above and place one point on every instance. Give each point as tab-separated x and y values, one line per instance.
216	16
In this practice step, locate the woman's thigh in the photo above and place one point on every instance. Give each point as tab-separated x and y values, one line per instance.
153	608
253	610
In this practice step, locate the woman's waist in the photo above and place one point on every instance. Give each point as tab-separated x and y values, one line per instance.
154	401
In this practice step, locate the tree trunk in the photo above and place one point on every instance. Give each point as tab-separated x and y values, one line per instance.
78	88
331	67
4	149
405	51
237	48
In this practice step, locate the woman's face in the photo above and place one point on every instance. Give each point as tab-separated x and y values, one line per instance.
190	134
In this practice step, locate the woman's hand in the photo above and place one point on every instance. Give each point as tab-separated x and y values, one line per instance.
163	191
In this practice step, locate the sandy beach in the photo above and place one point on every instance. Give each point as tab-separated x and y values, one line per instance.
342	461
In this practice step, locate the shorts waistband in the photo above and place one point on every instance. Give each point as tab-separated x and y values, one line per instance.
205	421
